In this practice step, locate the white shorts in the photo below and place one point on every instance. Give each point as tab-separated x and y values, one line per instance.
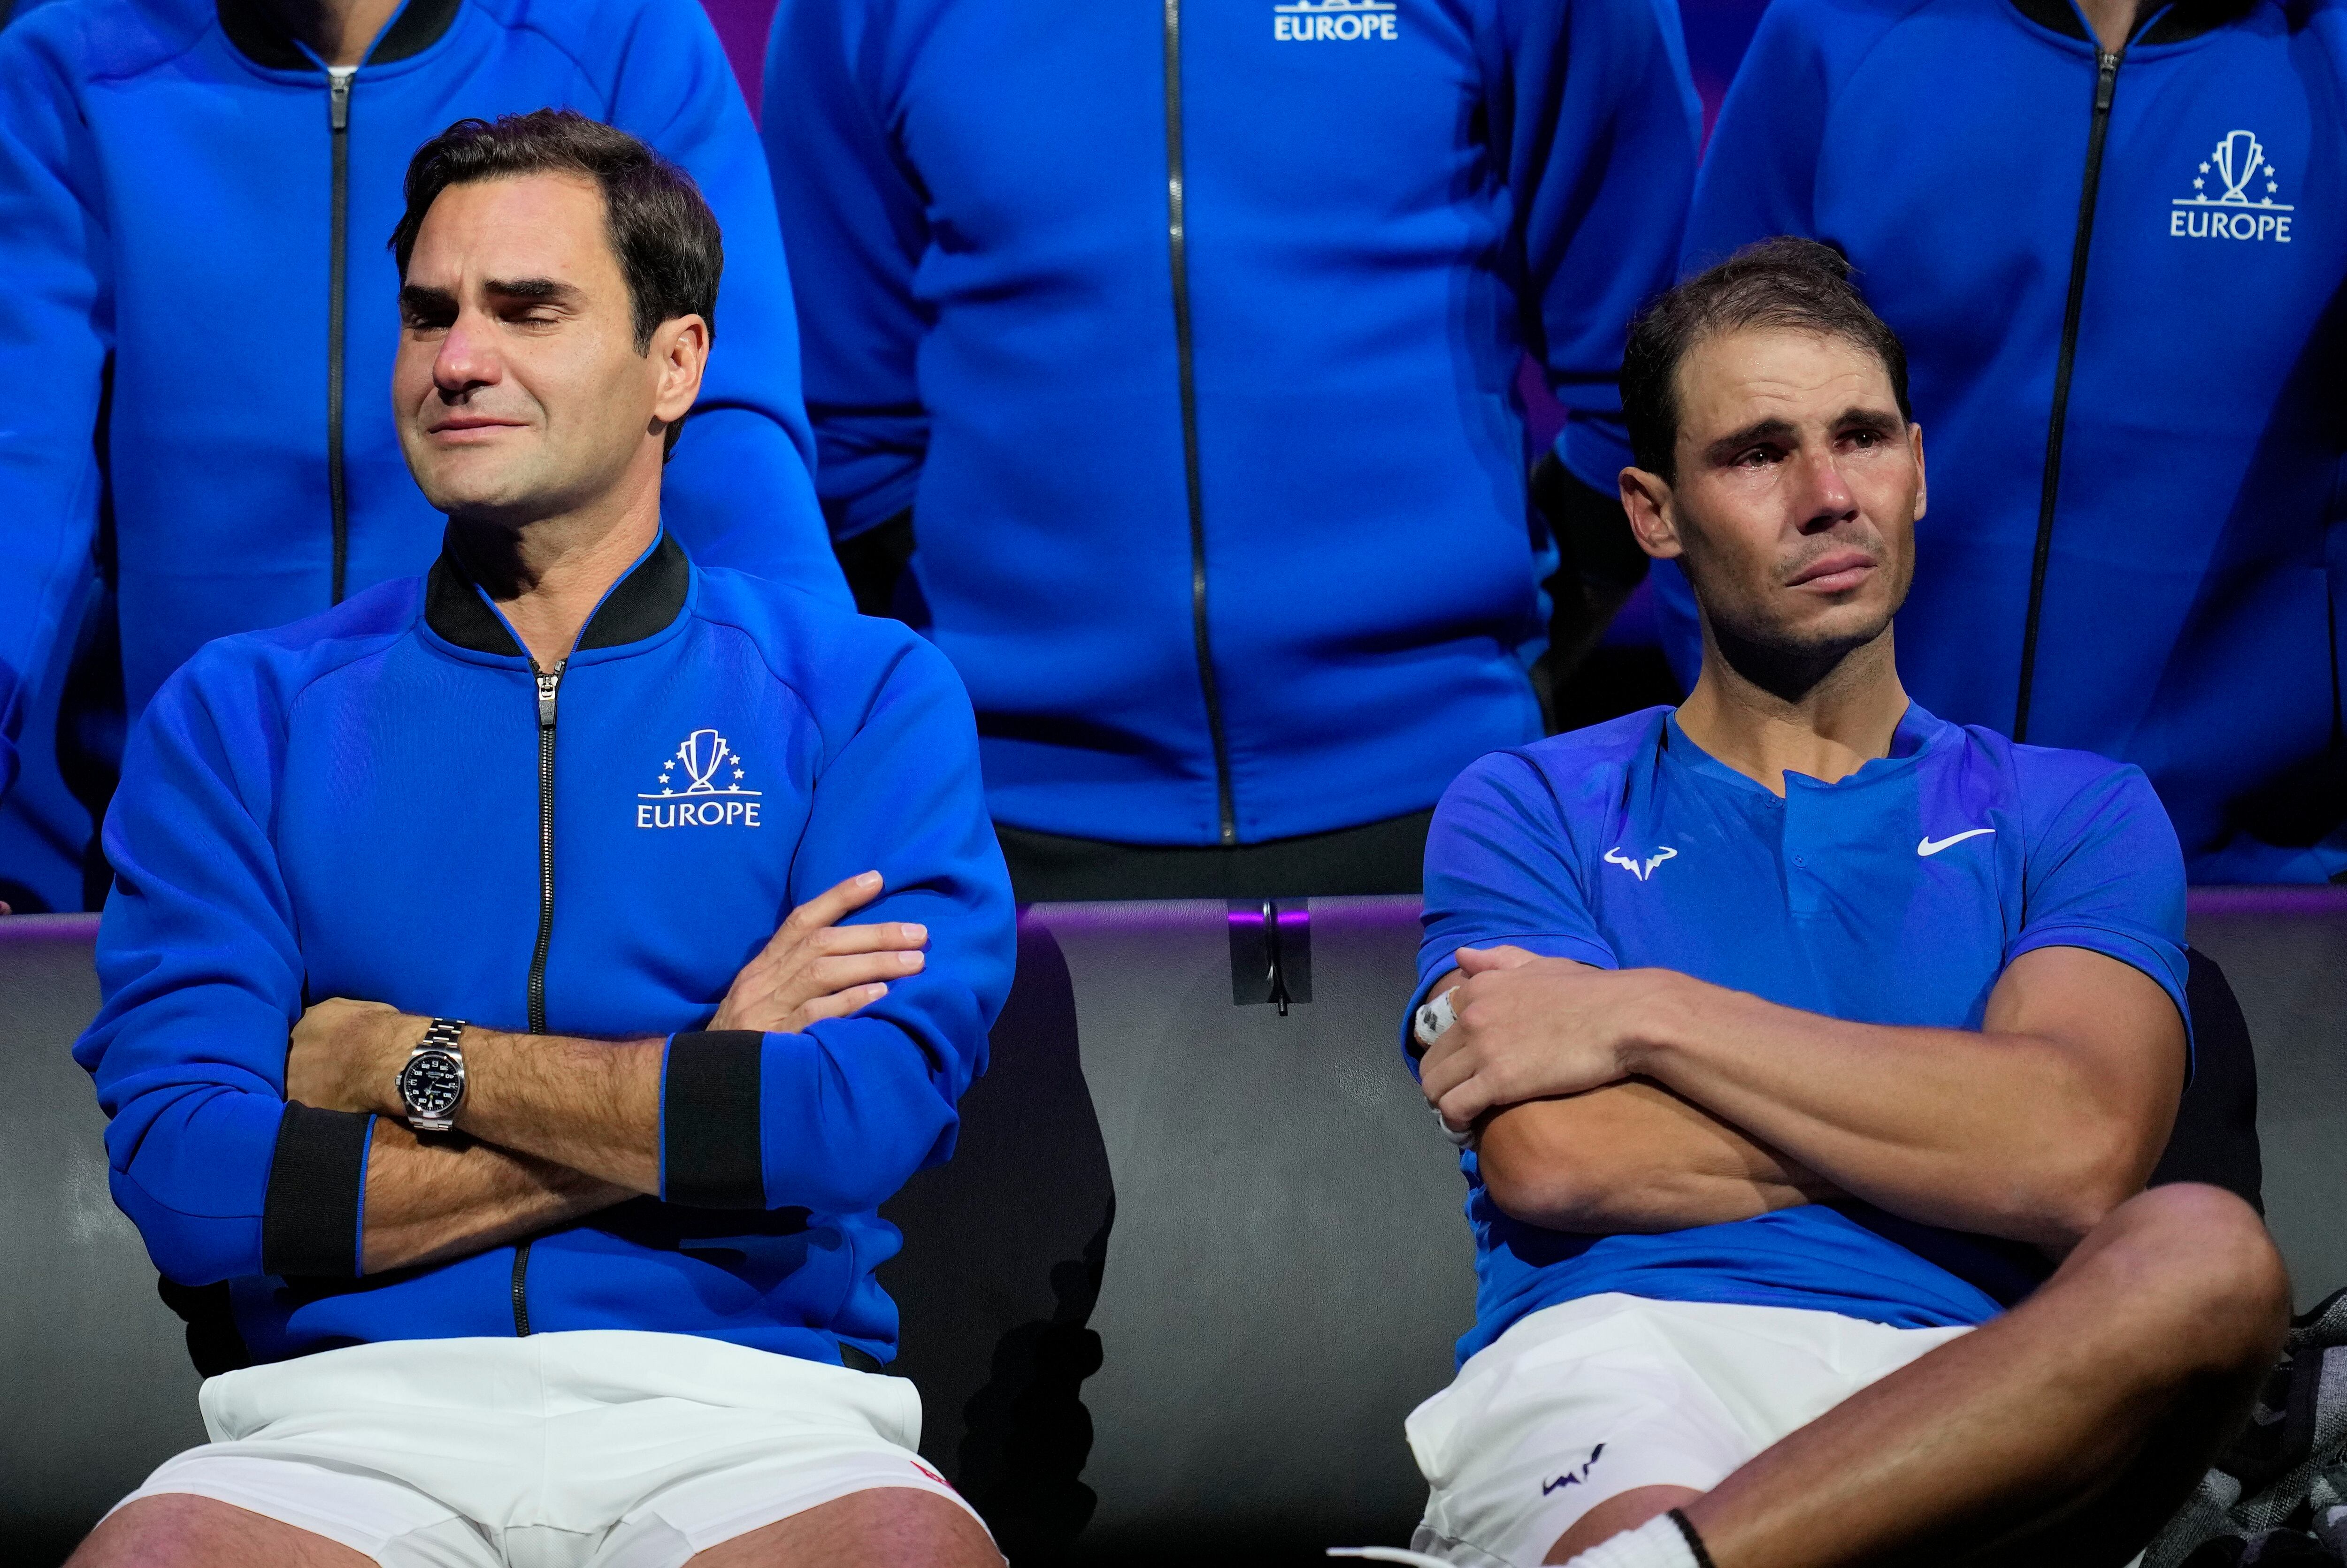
611	1448
1584	1402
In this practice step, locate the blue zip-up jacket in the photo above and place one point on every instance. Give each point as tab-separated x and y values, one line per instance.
2187	510
170	177
354	806
1189	333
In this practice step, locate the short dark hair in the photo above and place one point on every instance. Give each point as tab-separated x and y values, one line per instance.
1784	283
670	248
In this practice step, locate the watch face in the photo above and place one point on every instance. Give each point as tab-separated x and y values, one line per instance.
432	1082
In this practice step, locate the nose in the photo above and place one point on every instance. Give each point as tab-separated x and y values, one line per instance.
1825	498
467	358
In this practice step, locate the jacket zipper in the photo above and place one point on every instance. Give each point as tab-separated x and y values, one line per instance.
338	125
2107	76
1178	245
549	683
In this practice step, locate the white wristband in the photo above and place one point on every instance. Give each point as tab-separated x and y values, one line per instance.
1434	1020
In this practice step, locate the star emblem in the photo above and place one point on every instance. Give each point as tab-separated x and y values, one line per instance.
2198	184
2204	169
737	773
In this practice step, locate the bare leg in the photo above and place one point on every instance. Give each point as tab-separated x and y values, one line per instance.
176	1529
1626	1511
891	1527
2061	1433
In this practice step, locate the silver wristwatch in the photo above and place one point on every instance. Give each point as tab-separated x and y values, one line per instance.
432	1083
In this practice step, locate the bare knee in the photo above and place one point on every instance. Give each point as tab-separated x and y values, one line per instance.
2199	1260
177	1530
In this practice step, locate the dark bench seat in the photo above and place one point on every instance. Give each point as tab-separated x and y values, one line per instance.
1218	1374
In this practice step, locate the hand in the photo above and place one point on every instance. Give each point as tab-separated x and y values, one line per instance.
1530	1028
346	1056
815	968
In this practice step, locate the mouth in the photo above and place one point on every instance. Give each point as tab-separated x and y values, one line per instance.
467	428
1836	572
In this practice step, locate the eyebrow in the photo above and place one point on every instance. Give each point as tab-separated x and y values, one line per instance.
1875	419
1854	417
531	288
418	298
1735	441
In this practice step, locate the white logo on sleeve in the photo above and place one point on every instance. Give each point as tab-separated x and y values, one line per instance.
1638	868
1928	845
701	785
1320	21
2233	196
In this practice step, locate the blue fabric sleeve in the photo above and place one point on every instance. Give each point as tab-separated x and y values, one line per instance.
1600	125
855	222
739	489
847	1111
1759	172
1501	868
55	334
201	979
2104	872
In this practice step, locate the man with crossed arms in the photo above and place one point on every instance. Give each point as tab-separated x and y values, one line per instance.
549	1240
1796	1035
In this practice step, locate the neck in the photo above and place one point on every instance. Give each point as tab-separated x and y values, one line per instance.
338	31
2112	20
1827	730
548	575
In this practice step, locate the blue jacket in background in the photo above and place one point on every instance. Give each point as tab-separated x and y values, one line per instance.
351	806
2190	617
1225	530
167	206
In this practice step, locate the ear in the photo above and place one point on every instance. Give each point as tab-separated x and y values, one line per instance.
680	352
1915	442
1646	498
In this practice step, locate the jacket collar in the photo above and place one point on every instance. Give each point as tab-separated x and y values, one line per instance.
642	604
2175	23
254	29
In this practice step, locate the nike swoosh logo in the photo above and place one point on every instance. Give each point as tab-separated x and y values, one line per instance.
1927	845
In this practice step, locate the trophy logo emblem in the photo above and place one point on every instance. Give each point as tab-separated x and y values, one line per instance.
2238	159
701	752
2234	193
1307	21
703	784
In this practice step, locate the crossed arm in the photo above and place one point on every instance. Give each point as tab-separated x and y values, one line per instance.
554	1127
1645	1100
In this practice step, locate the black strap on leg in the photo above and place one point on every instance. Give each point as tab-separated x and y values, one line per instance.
1695	1542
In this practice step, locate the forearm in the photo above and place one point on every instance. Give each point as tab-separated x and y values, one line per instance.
2004	1134
1632	1157
592	1106
431	1201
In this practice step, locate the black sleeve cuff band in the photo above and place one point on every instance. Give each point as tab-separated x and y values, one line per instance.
710	1124
310	1218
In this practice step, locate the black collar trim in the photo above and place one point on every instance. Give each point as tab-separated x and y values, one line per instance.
262	38
2177	23
646	602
